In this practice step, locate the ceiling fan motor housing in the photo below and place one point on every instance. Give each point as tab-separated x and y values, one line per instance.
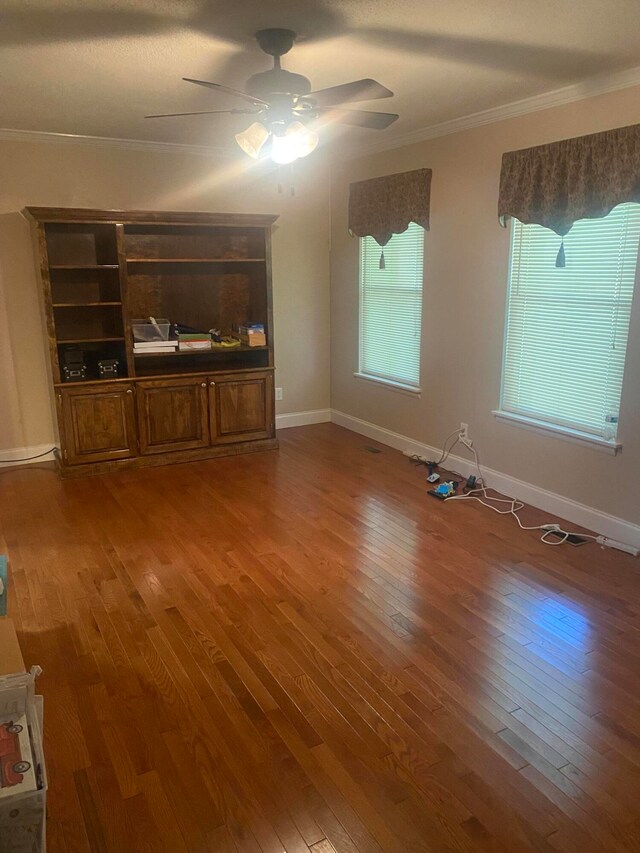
277	81
276	42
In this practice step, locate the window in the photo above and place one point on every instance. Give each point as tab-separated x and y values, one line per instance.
566	331
391	308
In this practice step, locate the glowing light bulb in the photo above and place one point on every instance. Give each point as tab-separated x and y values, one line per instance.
297	141
252	139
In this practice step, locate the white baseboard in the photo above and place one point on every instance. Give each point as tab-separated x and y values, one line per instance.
294	419
14	455
557	505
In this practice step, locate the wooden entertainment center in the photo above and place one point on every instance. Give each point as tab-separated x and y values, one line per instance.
100	269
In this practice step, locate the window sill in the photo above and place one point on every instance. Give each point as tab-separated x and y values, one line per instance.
565	433
390	384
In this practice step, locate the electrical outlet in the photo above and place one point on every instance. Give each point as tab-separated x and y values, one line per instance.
278	393
463	435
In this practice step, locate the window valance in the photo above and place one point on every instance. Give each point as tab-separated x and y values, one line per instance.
381	207
582	178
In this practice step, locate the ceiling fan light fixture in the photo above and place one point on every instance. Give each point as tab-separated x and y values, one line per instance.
252	139
296	141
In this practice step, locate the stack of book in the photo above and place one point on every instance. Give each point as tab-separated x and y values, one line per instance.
194	341
146	347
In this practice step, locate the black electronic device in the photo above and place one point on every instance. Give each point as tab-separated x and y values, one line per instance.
74	366
108	368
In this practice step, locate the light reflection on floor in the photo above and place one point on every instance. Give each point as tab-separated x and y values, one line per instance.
560	618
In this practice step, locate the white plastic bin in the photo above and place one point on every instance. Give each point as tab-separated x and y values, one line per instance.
144	331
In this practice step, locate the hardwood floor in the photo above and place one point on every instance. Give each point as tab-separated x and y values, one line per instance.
300	651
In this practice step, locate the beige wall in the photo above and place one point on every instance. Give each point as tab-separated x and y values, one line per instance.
466	263
87	176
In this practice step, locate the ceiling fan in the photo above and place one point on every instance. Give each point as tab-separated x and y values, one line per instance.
284	104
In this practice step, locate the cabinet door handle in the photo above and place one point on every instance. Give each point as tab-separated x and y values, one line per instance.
204	384
129	391
212	384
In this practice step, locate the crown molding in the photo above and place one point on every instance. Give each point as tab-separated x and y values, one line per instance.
566	95
14	135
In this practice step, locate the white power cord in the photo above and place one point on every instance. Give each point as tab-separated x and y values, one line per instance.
514	509
514	504
415	457
447	450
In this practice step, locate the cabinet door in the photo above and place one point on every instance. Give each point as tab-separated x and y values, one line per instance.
241	407
172	415
98	423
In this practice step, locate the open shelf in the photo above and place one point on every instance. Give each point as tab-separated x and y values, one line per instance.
88	322
209	352
81	245
93	351
89	340
207	362
85	285
176	242
83	266
195	260
199	295
83	304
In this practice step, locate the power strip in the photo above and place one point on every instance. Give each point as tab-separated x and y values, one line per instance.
619	546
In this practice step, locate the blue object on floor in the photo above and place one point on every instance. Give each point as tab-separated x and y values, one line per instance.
3	586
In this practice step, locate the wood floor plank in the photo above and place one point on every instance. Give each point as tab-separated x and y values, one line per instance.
299	652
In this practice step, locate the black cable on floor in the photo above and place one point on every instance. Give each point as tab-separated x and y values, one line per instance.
27	458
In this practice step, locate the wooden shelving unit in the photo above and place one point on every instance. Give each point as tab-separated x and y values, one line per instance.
102	269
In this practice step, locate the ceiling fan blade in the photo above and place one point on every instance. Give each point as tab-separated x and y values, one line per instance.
207	113
357	90
220	88
359	118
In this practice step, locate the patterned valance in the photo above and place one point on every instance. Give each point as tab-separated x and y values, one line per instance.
582	178
381	207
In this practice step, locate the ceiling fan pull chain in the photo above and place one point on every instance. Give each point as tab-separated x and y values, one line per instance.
292	182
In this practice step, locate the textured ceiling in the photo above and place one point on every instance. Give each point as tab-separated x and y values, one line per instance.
97	66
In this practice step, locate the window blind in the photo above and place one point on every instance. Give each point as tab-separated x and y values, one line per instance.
566	330
391	307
